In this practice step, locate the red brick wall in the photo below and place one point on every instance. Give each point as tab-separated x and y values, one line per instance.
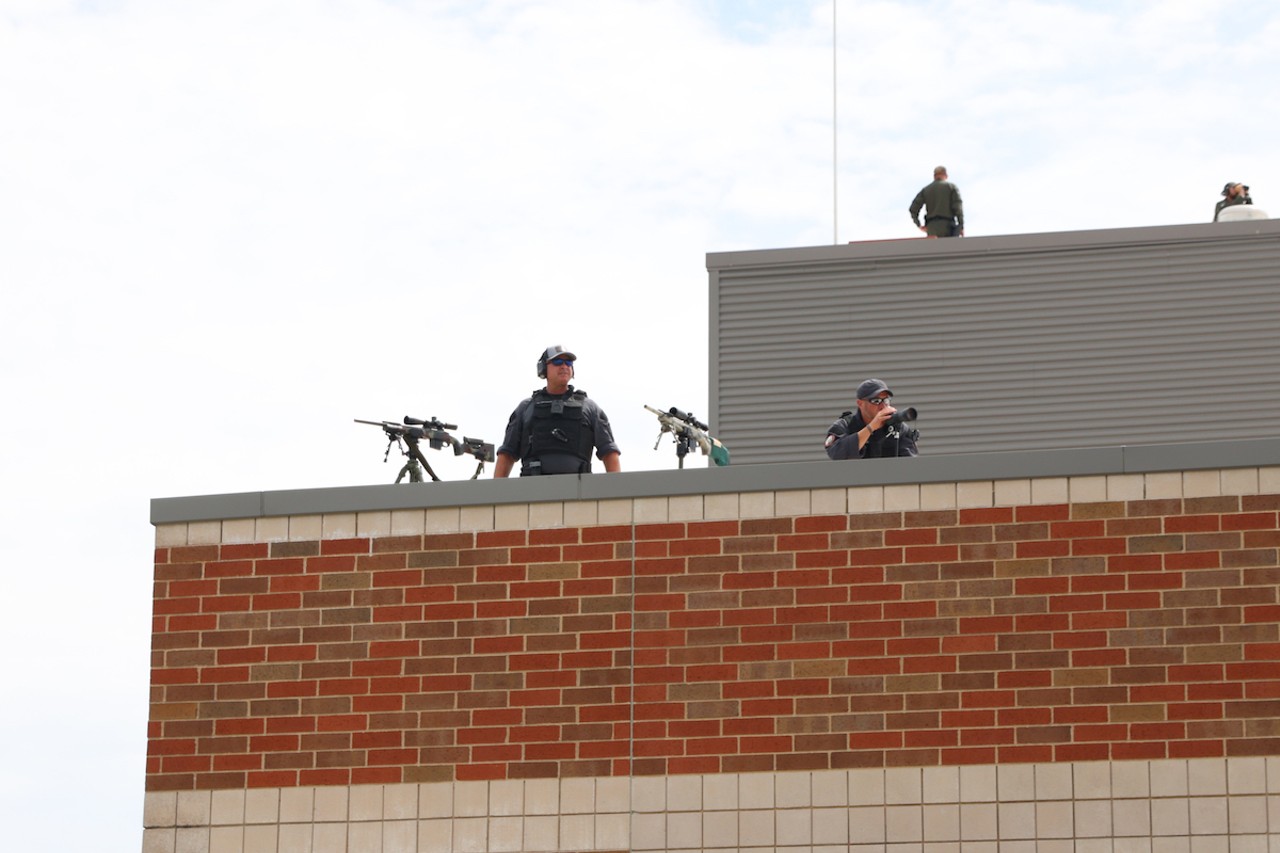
1121	630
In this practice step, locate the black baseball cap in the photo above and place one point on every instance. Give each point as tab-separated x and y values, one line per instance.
872	388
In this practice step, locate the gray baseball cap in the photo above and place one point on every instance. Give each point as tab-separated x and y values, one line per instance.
557	351
553	351
871	388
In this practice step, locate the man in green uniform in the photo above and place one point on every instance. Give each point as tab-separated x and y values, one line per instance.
944	209
1232	194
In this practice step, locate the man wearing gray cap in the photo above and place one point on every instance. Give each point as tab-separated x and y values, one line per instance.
554	430
867	432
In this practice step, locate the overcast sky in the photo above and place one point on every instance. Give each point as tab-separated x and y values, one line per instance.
229	228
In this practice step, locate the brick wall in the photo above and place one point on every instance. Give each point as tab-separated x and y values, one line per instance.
797	640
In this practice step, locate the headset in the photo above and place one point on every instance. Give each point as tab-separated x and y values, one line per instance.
554	351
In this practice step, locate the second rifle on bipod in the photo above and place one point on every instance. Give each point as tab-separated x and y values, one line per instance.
409	434
689	432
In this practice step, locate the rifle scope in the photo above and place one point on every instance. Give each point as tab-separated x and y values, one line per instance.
687	418
434	423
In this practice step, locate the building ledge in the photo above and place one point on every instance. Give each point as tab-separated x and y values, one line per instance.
780	477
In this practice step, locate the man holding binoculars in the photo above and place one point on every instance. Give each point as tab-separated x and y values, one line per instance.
876	429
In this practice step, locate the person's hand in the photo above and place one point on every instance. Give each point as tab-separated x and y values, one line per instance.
886	412
923	230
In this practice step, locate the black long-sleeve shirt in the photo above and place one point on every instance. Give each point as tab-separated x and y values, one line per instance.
842	440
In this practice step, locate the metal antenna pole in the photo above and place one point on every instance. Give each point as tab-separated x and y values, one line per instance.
835	148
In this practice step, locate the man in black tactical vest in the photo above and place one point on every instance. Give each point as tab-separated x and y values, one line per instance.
555	429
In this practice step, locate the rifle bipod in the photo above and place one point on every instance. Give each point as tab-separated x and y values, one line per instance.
416	461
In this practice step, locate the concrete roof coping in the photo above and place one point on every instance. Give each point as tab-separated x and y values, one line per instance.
824	474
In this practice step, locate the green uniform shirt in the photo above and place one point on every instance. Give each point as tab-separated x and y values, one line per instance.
1229	202
940	198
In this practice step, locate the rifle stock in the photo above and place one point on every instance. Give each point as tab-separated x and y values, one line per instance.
479	448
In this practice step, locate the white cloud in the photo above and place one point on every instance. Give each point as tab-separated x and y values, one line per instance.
228	229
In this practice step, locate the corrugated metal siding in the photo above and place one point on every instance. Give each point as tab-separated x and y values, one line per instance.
1023	342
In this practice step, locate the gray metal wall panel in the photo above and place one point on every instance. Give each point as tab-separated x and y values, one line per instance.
1021	342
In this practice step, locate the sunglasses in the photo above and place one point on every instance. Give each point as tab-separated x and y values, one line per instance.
879	401
561	362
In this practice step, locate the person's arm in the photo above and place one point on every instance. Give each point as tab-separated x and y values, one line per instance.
512	442
958	206
607	450
870	443
502	465
843	444
915	209
864	436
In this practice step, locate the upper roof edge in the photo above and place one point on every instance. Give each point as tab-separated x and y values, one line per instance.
917	247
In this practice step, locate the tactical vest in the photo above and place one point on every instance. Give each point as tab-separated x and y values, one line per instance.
559	425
